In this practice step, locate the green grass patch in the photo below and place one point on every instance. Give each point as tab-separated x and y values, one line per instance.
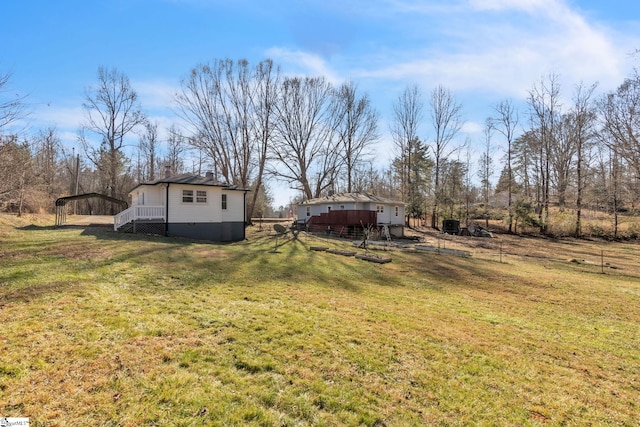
100	328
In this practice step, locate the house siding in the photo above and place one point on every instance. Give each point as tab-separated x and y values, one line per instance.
181	212
202	221
235	206
387	217
148	195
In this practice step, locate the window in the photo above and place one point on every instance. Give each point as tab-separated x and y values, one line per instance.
187	196
380	209
342	207
201	196
308	210
397	211
224	202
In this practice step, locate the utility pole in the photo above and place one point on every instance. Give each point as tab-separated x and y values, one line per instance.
77	173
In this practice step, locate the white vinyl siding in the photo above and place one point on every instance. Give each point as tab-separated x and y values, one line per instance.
235	207
149	195
196	212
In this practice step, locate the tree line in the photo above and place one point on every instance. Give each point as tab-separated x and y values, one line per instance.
251	124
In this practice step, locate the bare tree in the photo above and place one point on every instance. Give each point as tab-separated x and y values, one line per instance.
506	123
621	121
305	154
230	108
112	112
12	108
583	115
46	147
216	101
562	155
357	128
468	186
446	119
16	172
148	149
407	116
615	173
544	105
267	83
176	148
486	168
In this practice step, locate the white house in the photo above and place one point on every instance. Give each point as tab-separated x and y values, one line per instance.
352	209
186	205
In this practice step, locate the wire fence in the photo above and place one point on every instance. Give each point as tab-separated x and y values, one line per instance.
598	256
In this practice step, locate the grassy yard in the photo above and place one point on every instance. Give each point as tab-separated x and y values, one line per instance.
99	328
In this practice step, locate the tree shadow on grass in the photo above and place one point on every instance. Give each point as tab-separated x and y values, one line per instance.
292	261
33	227
26	294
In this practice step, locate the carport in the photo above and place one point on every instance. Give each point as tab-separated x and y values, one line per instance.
61	204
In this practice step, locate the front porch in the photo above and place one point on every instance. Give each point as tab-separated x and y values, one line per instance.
127	219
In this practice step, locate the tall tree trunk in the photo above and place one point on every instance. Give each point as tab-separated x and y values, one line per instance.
578	231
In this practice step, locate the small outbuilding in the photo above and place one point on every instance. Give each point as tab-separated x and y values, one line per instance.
451	226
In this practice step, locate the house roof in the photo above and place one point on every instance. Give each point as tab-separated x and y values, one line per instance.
359	197
191	179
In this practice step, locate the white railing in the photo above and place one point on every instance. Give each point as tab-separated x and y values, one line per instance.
137	212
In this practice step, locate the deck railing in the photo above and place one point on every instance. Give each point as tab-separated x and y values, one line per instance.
137	212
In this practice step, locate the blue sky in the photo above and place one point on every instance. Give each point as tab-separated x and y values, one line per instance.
482	50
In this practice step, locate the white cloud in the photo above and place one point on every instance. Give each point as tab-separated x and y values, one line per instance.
472	128
155	93
60	116
501	5
492	50
303	63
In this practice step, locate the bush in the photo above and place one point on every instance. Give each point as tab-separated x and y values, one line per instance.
632	232
595	230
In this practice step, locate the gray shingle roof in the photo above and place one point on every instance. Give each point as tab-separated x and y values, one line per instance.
191	179
361	197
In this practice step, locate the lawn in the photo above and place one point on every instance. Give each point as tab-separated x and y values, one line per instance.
99	328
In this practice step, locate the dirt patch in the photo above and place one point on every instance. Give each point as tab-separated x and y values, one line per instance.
77	252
